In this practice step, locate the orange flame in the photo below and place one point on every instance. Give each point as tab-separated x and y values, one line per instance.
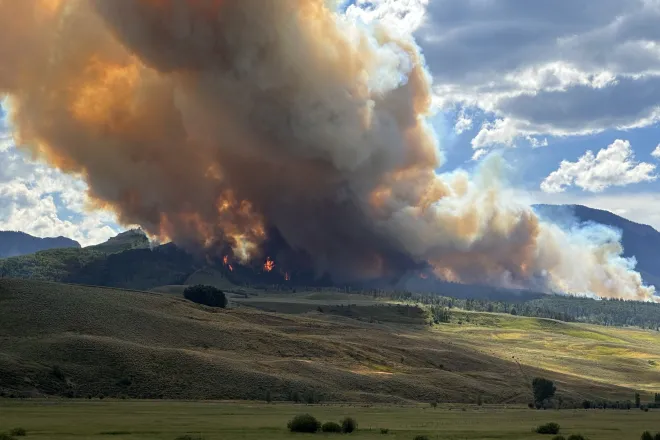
269	264
225	260
231	268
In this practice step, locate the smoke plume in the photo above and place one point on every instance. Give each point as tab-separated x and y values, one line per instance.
213	122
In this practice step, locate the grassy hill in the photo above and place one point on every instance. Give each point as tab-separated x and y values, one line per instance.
79	341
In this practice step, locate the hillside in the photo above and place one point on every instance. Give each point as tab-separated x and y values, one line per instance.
79	341
123	261
13	244
639	241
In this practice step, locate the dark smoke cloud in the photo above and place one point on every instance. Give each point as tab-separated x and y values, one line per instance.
215	122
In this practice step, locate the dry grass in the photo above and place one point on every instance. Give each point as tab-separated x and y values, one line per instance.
152	345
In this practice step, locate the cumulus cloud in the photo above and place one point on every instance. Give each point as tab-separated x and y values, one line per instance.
33	197
656	153
611	166
463	122
403	15
545	68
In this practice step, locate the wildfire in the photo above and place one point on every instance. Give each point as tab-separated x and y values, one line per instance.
225	260
269	265
287	277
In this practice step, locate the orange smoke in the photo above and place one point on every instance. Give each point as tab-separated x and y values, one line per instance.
211	122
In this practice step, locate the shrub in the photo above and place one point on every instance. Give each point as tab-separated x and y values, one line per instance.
206	295
304	423
646	436
57	372
548	428
421	437
18	432
384	431
331	427
4	436
348	425
657	436
189	437
576	437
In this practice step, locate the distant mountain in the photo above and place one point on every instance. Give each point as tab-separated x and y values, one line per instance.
13	244
639	241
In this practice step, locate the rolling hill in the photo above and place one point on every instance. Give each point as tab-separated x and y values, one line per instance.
14	244
79	341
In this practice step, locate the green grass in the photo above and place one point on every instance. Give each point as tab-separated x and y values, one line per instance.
126	420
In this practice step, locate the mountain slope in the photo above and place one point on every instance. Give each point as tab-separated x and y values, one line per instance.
639	241
123	261
13	244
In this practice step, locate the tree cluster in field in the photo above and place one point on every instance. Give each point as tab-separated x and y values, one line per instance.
307	423
609	312
206	295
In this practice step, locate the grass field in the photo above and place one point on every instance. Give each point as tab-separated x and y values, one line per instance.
124	420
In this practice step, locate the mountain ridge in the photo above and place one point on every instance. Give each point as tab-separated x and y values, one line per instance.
16	243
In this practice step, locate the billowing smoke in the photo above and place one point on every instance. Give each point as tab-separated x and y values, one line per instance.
213	122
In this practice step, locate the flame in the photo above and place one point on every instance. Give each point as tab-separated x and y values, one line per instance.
287	277
269	265
231	268
225	260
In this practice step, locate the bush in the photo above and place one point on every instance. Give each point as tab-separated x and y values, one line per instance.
548	428
646	436
189	437
206	295
18	432
657	436
4	436
348	425
421	437
304	423
331	427
576	437
384	431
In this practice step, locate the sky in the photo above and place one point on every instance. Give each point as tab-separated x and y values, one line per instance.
566	91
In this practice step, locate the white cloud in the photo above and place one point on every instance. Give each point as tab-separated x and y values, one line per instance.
611	166
656	153
29	196
403	15
463	122
537	68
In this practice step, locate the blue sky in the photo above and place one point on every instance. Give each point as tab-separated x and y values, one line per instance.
543	83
